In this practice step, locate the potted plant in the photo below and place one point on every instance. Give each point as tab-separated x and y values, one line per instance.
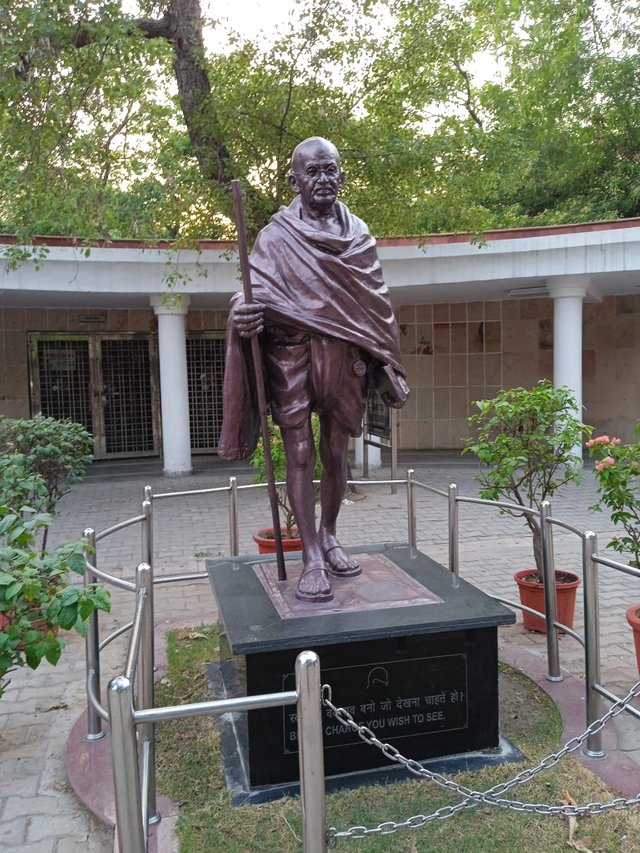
38	596
264	538
617	471
526	440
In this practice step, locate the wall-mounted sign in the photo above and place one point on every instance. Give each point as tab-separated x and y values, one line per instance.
378	417
93	319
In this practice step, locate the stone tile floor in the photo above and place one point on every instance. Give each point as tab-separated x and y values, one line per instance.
39	813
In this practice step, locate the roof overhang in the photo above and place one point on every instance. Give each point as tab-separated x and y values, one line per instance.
506	264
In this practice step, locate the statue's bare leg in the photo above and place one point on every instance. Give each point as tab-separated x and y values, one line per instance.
299	449
334	441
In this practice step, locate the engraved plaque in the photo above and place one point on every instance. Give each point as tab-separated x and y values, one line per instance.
393	698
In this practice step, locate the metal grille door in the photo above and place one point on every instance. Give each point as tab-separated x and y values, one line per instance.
108	383
127	396
205	371
64	380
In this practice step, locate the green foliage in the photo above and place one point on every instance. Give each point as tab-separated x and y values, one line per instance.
82	94
38	597
20	487
93	146
527	440
15	255
617	472
279	462
57	451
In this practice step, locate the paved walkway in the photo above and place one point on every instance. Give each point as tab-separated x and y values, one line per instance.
39	813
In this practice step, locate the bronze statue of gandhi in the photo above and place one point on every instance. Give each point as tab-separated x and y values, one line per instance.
328	335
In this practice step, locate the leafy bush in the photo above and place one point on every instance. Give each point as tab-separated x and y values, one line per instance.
38	596
527	439
59	452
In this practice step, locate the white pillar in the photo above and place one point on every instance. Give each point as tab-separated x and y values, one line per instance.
568	293
172	351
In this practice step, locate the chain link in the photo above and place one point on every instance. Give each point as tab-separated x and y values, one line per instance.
470	797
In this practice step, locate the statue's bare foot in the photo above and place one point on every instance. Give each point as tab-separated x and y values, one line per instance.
314	584
338	563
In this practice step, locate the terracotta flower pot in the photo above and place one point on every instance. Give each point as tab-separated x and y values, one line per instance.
633	618
532	595
266	542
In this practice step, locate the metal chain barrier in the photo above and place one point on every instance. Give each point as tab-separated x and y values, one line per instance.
470	797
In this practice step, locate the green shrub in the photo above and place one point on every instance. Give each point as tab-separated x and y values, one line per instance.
59	452
527	441
38	595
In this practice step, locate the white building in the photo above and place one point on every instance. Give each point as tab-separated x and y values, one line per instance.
91	335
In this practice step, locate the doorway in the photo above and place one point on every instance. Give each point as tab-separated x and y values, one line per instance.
205	373
106	382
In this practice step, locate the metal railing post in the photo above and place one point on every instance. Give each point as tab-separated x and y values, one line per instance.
146	690
454	532
365	446
593	746
92	645
411	510
234	545
126	774
394	448
310	752
549	577
147	531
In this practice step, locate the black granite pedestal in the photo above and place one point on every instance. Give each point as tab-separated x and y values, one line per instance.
409	649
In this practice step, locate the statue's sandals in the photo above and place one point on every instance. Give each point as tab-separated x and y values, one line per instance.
309	596
340	567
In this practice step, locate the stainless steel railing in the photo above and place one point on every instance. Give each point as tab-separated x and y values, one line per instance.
132	731
131	781
590	561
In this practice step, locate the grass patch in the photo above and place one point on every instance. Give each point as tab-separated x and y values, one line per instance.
190	772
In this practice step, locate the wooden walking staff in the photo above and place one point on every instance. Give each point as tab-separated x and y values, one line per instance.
256	356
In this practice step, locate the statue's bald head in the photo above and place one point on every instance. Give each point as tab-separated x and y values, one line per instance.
313	143
316	176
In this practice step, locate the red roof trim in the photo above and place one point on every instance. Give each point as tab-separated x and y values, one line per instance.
428	239
513	233
11	239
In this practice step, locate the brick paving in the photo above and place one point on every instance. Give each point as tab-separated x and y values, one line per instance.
38	810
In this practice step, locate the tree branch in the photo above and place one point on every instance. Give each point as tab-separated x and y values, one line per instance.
468	100
151	28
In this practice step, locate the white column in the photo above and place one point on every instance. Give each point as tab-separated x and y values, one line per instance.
172	351
568	293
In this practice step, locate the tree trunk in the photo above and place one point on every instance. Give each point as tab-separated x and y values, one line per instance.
196	98
537	544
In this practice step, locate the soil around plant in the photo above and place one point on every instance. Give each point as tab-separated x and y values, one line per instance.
268	533
561	577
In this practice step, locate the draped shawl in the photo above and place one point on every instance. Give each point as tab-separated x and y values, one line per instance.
317	282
